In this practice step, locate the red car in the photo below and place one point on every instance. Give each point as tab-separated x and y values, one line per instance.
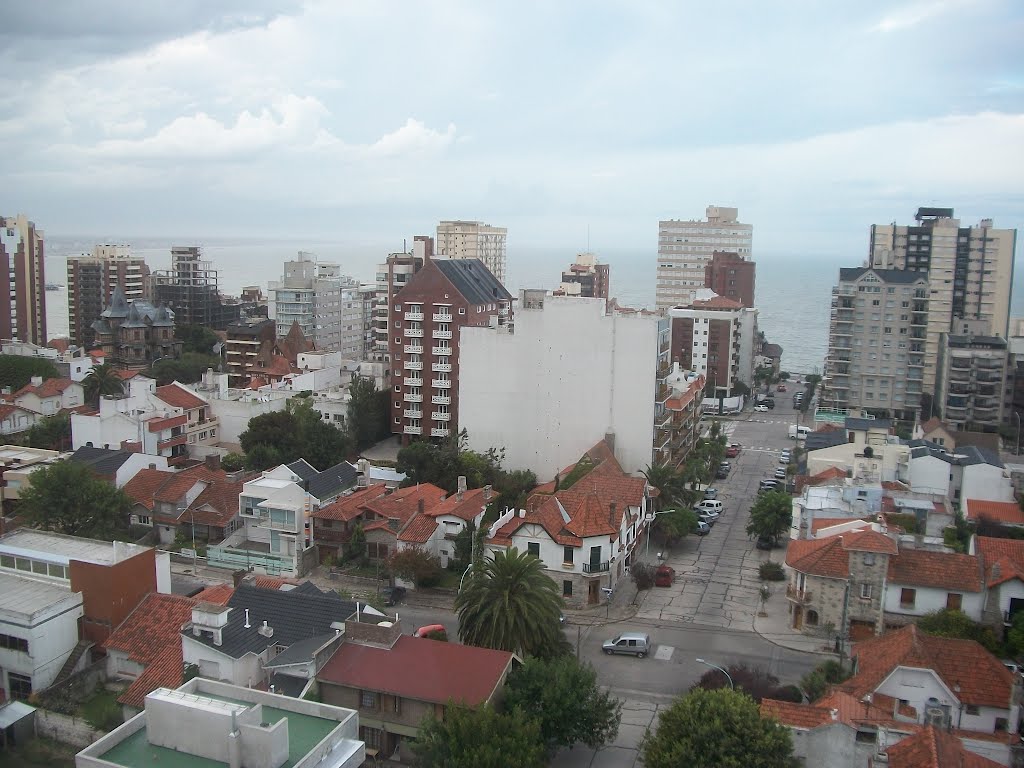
733	451
664	576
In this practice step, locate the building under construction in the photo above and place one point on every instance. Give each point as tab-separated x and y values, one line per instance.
190	290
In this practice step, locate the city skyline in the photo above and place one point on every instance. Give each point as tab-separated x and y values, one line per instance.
312	120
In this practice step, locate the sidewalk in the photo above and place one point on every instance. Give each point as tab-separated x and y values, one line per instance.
774	627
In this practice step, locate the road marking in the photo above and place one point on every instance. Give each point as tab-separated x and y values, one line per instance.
664	652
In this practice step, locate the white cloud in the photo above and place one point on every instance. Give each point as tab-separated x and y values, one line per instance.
916	13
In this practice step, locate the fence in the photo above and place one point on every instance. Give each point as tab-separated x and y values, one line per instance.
65	729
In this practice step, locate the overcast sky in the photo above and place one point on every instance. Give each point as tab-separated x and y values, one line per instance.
372	120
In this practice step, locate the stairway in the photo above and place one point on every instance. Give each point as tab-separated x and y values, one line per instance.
69	666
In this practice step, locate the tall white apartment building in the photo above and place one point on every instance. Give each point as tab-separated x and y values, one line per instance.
474	240
969	272
325	304
685	249
714	337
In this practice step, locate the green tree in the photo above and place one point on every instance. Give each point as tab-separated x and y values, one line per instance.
1015	636
510	604
675	524
670	485
479	738
771	515
281	437
187	369
51	433
957	624
319	443
717	729
16	371
95	509
466	542
367	413
817	682
233	462
102	380
355	547
563	695
417	565
196	338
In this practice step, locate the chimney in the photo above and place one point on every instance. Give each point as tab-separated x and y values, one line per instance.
37	381
461	489
247	624
212	461
419	506
265	630
487	492
834	714
611	515
997	571
152	466
609	438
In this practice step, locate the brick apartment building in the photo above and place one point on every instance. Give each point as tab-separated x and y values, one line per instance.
425	318
730	275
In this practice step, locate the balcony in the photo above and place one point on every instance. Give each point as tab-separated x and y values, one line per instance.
413	381
442	317
441	367
412	430
442	383
441	416
439	432
441	334
596	567
802	596
413	349
414	333
414	316
413	413
960	363
170	443
441	400
441	351
414	365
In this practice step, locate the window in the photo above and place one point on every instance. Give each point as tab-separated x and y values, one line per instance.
865	591
972	709
812	618
368	700
21	686
954	601
567	555
143	520
12	643
462	310
396	704
371	737
869	558
1002	724
567	588
533	548
907	598
865	737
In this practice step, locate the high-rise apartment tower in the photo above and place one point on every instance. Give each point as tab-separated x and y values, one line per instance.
474	240
23	290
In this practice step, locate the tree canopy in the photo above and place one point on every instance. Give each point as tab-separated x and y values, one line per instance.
188	369
102	380
196	338
563	696
717	729
16	370
52	433
510	604
771	515
94	509
367	417
479	738
957	624
298	432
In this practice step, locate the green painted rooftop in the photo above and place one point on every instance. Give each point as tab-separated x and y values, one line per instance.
304	733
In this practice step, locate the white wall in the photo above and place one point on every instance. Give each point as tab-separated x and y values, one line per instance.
551	390
918	685
135	463
984	481
245	671
929	600
1009	590
928	474
234	415
52	635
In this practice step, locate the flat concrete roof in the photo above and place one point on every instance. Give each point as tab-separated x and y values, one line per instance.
20	594
58	548
304	733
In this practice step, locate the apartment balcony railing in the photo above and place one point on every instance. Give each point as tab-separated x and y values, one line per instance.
414	365
441	367
413	413
503	312
442	383
439	432
798	595
442	318
413	349
441	400
441	334
410	430
413	381
441	416
441	351
414	316
413	333
596	567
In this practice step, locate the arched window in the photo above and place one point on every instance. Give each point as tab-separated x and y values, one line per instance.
812	618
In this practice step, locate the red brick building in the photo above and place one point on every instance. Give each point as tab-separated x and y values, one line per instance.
425	318
731	276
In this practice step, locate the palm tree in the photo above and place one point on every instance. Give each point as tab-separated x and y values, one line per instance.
102	380
668	482
510	604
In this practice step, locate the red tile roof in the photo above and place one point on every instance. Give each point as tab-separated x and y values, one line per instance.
1008	512
981	677
49	388
418	530
942	570
420	669
546	512
218	594
165	670
717	302
591	518
151	627
869	541
819	557
145	484
176	396
932	748
398	507
350	507
1003	558
269	582
792	715
467	508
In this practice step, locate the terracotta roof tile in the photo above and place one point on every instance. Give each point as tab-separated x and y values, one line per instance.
591	518
869	541
158	425
421	670
145	484
400	505
982	678
792	715
49	388
270	582
177	396
163	671
932	748
419	530
819	557
1008	512
546	512
467	508
218	594
154	623
1003	558
350	507
942	570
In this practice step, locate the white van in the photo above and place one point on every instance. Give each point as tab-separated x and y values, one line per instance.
798	432
709	505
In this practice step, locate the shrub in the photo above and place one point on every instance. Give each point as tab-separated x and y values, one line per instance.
643	575
770	570
417	565
816	682
789	693
758	682
232	462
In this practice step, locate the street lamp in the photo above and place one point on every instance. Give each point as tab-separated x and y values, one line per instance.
1016	415
715	666
652	516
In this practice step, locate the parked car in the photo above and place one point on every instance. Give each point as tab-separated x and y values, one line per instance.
710	493
630	643
780	388
709	505
761	408
710	518
702	529
431	629
664	576
768	485
785	457
780	473
721	474
732	452
725	465
392	595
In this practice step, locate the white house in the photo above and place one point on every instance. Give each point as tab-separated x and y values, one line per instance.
967	472
49	397
15	419
436	529
233	408
570	373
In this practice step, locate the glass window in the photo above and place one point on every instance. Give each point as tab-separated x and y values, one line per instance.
533	548
567	588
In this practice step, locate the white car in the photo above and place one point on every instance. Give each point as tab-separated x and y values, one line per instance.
707	517
761	408
785	458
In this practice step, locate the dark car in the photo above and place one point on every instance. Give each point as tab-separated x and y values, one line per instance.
392	595
722	473
664	576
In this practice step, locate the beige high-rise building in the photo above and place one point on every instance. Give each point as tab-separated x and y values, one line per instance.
685	249
23	289
969	269
473	240
92	279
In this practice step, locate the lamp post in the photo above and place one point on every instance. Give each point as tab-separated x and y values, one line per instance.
654	515
1016	415
715	666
